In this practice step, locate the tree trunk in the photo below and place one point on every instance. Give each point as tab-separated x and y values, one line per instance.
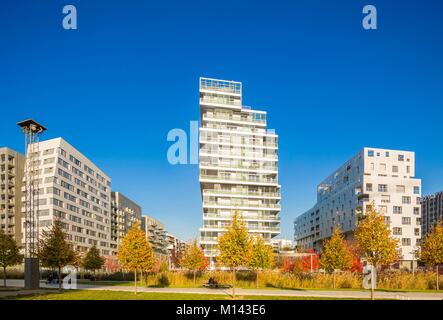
141	278
256	278
438	286
373	281
135	281
194	278
60	279
233	283
4	276
333	275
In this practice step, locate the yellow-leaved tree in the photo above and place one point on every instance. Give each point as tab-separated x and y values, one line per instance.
262	257
235	247
194	259
135	252
431	251
336	254
374	241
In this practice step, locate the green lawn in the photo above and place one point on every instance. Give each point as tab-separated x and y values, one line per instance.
123	295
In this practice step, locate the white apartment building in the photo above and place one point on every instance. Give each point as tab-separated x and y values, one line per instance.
238	165
11	177
156	235
76	191
380	176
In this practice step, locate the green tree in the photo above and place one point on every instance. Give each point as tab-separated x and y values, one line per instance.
54	251
135	252
93	260
374	241
431	251
235	247
336	254
194	259
262	257
9	253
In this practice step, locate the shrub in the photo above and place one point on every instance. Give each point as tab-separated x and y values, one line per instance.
163	280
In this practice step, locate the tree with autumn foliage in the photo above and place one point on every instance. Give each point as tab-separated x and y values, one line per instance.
235	247
431	252
262	257
335	255
93	260
357	265
374	241
135	252
194	259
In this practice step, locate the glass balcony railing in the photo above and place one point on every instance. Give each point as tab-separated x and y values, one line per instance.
249	227
244	216
242	204
237	177
234	117
238	165
239	153
241	192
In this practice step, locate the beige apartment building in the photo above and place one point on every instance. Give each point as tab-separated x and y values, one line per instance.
156	235
11	181
238	165
380	176
74	190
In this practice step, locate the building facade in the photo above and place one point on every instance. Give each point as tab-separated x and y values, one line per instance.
238	165
124	213
11	182
383	177
431	212
176	249
76	192
156	235
282	245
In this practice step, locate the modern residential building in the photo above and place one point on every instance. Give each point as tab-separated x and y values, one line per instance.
75	191
431	212
282	245
156	235
238	165
11	181
383	177
124	213
176	248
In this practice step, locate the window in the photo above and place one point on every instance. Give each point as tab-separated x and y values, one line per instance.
405	242
397	231
397	209
383	209
417	232
416	190
369	187
406	200
387	154
408	169
400	188
401	157
416	210
406	220
385	198
418	221
382	166
387	219
382	188
370	153
394	169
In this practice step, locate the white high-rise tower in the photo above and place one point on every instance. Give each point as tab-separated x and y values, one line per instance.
238	165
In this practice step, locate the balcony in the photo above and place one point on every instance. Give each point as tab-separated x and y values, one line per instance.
240	204
237	153
243	217
241	192
239	165
239	178
234	118
250	228
239	129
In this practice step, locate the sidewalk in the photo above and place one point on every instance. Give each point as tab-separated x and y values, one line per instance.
346	294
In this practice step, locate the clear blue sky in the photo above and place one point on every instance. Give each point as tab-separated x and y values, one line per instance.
117	85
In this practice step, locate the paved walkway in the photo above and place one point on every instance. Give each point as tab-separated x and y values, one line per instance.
346	294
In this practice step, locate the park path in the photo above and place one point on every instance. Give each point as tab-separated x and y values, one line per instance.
346	294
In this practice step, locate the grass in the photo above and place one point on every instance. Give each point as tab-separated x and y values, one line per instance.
123	295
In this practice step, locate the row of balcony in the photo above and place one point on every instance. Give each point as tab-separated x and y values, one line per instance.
246	192
215	99
234	203
237	129
249	227
239	165
243	216
249	143
239	177
238	153
234	117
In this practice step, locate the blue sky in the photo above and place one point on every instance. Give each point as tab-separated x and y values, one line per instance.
117	85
